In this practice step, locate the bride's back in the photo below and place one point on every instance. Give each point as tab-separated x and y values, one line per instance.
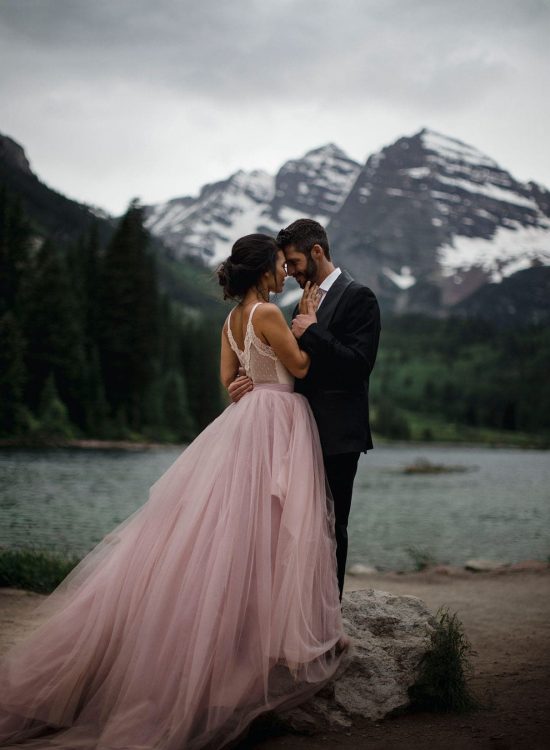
259	360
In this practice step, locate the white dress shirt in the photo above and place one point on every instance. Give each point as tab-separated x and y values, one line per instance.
327	283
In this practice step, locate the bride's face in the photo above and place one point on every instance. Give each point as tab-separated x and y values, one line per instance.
276	281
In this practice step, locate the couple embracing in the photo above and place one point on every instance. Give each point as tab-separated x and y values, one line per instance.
340	336
219	598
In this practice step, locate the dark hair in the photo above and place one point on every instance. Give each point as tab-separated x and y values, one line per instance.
251	256
304	233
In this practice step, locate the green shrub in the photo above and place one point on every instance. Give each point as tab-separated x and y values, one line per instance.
422	559
34	570
442	684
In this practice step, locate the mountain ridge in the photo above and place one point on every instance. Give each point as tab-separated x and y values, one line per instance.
426	222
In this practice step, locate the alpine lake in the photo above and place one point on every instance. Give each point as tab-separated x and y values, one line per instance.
445	503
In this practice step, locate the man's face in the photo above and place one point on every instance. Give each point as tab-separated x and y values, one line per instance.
300	265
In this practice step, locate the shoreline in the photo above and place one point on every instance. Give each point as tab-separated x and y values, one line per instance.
506	618
43	563
90	444
130	445
469	569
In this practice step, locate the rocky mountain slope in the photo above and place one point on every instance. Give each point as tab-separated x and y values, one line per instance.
206	226
430	220
425	222
52	214
66	222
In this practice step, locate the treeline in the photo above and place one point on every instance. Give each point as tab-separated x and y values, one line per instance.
89	347
461	374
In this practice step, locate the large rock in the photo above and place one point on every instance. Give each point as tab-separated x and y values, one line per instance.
390	634
483	566
359	569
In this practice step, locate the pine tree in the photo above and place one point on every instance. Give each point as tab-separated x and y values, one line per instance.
54	336
91	271
95	403
200	342
128	325
177	415
53	414
15	238
12	375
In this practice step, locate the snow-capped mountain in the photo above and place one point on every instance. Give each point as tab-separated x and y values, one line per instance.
431	219
426	222
315	186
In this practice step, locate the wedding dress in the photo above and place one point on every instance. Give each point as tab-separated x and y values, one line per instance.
213	602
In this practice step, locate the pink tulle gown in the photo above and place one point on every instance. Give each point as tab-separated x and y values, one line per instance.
215	601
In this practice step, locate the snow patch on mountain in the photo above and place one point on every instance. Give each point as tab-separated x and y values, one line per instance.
511	249
453	150
404	279
490	191
206	226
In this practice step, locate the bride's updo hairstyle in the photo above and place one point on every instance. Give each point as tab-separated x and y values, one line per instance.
251	256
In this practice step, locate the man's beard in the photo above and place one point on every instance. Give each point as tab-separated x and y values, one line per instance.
310	274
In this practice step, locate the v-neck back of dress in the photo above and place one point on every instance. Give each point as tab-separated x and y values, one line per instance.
259	361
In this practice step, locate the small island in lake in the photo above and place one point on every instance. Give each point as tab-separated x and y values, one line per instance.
423	466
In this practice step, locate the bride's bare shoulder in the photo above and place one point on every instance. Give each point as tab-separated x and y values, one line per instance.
269	311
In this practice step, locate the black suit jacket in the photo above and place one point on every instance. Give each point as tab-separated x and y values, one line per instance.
343	346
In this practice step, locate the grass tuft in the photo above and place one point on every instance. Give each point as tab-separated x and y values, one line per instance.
422	559
445	669
34	570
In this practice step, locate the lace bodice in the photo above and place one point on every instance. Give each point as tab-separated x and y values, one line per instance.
258	359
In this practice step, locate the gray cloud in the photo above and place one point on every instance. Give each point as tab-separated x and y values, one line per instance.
201	67
265	49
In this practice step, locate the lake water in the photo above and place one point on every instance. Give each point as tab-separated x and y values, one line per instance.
499	508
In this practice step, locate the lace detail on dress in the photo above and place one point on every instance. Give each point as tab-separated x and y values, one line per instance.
258	359
232	342
251	338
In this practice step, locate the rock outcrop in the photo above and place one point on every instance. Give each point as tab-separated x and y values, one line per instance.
390	634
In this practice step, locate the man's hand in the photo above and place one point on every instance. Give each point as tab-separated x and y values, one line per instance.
301	323
240	386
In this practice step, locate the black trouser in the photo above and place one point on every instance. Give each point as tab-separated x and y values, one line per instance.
341	469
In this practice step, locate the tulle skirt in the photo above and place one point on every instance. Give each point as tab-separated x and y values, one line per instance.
215	601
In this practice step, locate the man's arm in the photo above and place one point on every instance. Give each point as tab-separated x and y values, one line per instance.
358	354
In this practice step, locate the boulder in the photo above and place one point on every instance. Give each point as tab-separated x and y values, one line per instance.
483	566
358	569
390	634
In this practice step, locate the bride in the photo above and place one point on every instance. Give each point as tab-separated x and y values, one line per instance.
217	599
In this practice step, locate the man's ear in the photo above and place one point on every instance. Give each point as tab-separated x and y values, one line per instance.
317	252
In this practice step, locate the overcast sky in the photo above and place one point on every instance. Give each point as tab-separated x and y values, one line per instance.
153	98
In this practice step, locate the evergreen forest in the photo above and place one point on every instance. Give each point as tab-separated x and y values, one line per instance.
89	344
102	336
462	379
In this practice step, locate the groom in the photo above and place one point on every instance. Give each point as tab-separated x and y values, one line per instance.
342	341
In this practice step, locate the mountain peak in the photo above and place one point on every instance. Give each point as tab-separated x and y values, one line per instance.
14	154
329	149
425	222
442	208
452	149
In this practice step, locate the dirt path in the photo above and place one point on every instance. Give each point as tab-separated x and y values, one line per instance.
507	618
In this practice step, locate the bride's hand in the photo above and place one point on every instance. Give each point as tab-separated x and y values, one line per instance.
309	304
310	299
